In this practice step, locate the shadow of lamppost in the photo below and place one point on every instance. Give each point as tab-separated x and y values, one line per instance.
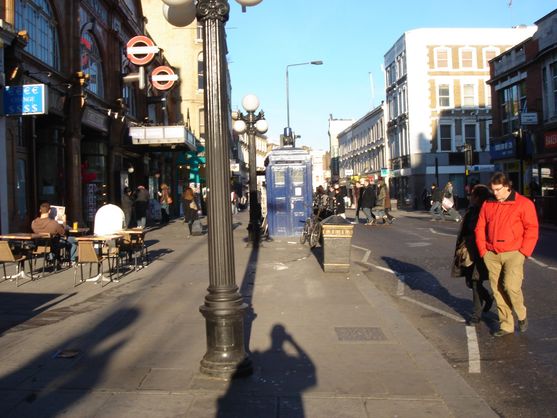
224	308
252	124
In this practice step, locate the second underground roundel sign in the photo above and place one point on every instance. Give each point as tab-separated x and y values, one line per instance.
163	77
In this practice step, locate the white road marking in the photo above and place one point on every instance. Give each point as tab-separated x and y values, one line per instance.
418	244
539	263
433	231
434	309
474	359
400	285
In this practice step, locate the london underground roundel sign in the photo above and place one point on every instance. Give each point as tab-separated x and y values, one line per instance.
141	50
163	77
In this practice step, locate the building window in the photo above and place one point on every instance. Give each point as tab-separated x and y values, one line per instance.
553	68
470	135
91	63
468	95
467	58
489	54
199	32
200	71
36	17
445	137
441	58
444	95
201	123
512	100
487	95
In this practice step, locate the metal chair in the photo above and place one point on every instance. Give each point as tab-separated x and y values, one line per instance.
86	254
112	252
7	256
134	245
48	249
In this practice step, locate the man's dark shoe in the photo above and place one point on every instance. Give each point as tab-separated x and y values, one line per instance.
501	333
488	305
523	325
473	320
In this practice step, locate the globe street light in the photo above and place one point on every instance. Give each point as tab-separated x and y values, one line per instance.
224	308
288	129
251	124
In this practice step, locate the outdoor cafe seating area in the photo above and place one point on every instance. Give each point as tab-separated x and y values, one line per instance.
113	251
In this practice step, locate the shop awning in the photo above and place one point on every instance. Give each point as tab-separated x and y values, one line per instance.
163	137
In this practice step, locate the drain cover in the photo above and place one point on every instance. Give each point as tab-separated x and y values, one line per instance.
360	334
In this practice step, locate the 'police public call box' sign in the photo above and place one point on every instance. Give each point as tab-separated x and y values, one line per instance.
29	99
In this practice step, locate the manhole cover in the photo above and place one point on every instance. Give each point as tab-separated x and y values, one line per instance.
360	334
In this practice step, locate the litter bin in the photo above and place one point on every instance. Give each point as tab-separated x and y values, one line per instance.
337	240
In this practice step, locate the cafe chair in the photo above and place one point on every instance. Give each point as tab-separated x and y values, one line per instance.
86	254
112	253
8	257
134	246
47	248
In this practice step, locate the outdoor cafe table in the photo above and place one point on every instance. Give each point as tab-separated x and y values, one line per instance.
102	240
79	232
22	241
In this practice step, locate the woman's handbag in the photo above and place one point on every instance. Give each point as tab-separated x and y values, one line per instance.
193	205
447	203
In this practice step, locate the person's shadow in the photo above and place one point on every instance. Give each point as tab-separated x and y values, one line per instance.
283	371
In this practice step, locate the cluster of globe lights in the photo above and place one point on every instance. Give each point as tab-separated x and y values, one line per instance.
250	103
182	12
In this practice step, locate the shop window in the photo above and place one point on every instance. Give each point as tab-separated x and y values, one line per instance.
36	17
21	189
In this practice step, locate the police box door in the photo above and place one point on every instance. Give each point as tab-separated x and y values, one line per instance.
289	199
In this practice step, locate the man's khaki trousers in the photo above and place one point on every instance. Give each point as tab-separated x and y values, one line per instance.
506	272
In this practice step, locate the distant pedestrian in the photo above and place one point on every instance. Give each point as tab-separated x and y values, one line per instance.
467	261
436	210
141	204
127	206
448	203
358	187
379	209
388	206
506	233
191	208
165	201
339	202
368	202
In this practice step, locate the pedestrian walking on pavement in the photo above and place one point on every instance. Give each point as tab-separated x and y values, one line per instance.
436	209
127	205
387	204
358	187
467	261
380	201
506	233
368	202
339	205
190	208
448	203
141	205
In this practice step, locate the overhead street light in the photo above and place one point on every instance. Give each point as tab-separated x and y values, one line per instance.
224	308
252	124
288	129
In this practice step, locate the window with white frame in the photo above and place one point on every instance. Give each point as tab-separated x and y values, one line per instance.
36	17
199	32
489	54
442	58
445	136
444	95
468	95
467	58
470	134
200	71
487	95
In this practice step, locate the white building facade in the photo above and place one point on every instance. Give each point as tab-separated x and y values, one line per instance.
437	103
362	150
335	127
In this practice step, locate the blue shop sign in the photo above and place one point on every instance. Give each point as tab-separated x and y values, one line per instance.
29	99
503	149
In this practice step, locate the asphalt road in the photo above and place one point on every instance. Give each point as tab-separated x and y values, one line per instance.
516	375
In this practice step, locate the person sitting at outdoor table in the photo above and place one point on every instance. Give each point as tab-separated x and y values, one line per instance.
45	223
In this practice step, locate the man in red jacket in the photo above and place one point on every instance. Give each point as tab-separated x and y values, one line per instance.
506	233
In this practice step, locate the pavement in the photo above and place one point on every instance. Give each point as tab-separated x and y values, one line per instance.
321	344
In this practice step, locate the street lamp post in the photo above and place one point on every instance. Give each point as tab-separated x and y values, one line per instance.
224	308
288	129
252	124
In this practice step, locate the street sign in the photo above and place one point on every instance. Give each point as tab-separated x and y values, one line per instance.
348	172
141	50
384	172
28	99
529	118
163	77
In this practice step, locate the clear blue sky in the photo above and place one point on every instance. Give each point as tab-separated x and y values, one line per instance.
350	37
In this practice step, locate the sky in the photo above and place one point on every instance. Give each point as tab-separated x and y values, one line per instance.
351	38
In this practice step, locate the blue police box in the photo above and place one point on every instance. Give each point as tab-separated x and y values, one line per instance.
288	179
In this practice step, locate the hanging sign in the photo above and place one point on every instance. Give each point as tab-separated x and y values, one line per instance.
163	77
141	50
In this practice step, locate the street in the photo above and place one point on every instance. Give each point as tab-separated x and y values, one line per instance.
516	375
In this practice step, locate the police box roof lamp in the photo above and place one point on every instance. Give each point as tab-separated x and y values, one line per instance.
138	77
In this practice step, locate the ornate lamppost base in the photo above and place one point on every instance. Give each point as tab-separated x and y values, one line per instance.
225	357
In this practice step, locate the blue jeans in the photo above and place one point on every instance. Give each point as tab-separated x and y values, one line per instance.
436	210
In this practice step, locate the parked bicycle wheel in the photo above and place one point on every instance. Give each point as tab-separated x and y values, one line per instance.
314	235
305	232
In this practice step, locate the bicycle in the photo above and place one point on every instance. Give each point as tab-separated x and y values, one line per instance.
312	225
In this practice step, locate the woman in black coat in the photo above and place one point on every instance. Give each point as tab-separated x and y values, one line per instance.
467	261
190	208
127	206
